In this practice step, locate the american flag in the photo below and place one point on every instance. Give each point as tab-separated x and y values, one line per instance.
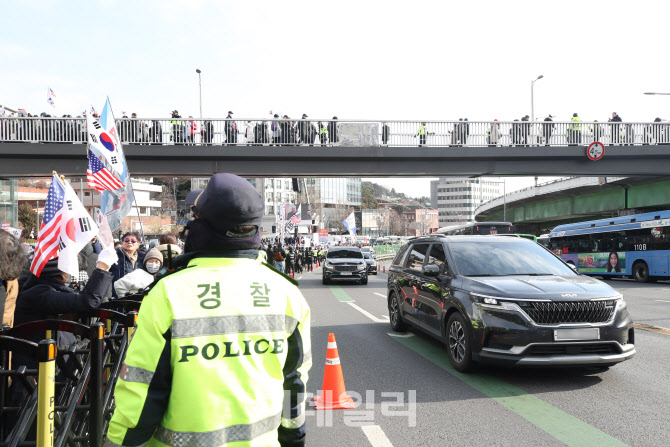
99	177
5	225
48	241
297	217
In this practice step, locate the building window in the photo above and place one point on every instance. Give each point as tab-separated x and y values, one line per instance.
143	210
87	193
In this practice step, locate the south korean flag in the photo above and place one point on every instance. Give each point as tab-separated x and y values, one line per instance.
289	226
105	145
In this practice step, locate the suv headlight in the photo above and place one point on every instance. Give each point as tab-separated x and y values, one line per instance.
328	265
493	302
362	265
617	301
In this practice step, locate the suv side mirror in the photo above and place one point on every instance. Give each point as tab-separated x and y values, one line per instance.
431	270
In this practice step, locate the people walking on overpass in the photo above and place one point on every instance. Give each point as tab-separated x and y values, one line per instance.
307	131
575	130
615	128
230	129
177	133
332	130
525	130
548	129
249	132
275	128
207	133
222	349
515	133
323	133
493	134
386	134
156	132
261	135
422	132
288	136
192	129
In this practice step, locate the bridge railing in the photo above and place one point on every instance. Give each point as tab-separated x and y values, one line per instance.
343	133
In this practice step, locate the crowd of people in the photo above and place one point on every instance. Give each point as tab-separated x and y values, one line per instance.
285	131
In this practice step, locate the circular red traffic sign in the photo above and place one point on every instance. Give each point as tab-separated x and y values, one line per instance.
595	151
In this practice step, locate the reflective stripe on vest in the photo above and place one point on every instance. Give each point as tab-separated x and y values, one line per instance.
233	324
234	433
421	131
293	423
136	375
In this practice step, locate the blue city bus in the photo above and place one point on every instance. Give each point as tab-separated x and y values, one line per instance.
637	246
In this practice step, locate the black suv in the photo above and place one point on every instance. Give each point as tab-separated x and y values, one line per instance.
345	264
507	300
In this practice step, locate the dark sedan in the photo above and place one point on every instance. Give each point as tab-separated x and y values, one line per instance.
506	300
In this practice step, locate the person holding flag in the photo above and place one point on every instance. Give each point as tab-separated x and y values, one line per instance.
65	229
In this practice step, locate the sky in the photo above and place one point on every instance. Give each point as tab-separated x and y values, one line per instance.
419	60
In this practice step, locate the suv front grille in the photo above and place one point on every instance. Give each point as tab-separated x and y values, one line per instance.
572	349
345	268
553	312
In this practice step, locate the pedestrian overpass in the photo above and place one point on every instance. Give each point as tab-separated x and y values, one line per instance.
34	147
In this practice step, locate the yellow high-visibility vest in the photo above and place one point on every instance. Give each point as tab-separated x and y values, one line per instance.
216	345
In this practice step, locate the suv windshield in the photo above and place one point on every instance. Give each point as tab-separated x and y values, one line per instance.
498	258
339	254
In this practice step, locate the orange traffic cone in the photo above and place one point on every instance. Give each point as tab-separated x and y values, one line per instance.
317	263
333	393
292	273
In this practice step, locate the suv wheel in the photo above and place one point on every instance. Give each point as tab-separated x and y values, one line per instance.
324	280
397	324
364	281
458	337
641	272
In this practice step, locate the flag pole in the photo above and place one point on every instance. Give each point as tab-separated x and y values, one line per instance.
130	180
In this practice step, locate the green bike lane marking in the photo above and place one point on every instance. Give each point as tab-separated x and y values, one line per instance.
554	421
340	294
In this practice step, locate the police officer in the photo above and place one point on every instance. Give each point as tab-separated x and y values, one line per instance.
222	348
421	132
575	130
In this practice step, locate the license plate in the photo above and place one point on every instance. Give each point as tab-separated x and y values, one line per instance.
577	334
494	232
345	273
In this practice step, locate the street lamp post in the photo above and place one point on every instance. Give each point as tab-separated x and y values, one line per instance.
654	93
197	70
532	108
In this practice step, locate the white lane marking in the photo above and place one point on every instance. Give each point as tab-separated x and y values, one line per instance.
400	335
299	277
385	316
376	436
663	301
379	294
366	313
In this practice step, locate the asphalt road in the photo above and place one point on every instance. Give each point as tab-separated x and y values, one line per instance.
627	405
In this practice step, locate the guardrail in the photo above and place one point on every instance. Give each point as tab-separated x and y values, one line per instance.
344	133
383	252
76	409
